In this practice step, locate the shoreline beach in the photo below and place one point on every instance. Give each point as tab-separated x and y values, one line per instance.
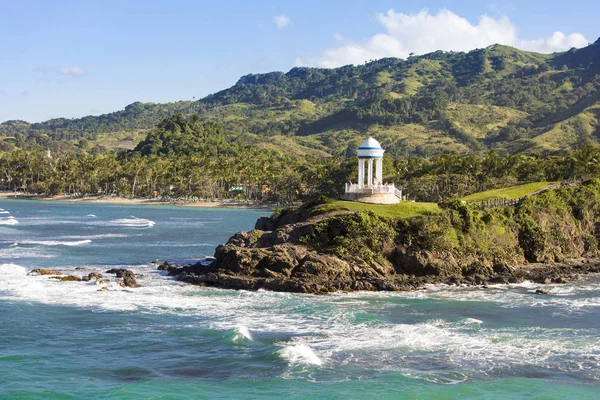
227	203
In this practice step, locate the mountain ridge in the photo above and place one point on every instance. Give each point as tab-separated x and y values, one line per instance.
410	103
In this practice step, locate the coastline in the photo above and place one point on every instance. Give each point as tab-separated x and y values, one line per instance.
228	203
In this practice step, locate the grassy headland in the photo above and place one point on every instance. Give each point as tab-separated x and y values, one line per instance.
512	192
325	246
403	209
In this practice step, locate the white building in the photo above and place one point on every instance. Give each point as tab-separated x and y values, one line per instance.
370	166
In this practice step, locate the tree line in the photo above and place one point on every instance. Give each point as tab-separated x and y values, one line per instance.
188	158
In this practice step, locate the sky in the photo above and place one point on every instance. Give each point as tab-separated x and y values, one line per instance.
61	58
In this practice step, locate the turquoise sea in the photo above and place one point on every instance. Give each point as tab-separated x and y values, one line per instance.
168	340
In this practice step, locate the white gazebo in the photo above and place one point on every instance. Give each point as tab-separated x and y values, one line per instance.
370	163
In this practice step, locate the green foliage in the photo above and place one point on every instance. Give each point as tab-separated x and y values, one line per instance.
465	214
361	234
178	135
498	97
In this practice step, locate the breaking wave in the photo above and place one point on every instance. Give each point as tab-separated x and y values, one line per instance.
9	221
132	222
54	242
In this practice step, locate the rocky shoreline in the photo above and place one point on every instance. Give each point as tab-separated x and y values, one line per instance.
282	254
559	273
128	278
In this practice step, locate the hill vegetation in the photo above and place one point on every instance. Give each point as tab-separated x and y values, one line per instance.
512	192
403	209
443	102
452	124
551	237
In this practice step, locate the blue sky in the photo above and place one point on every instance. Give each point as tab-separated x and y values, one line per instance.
75	58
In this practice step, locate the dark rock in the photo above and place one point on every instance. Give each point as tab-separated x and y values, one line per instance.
276	256
67	278
129	279
264	224
118	271
164	266
542	291
502	268
499	279
43	271
93	276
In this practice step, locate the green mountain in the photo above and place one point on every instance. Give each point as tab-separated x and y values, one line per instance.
443	102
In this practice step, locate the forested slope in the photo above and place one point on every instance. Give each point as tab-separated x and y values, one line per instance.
443	102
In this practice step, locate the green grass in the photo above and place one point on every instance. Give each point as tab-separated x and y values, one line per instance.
508	193
404	209
479	120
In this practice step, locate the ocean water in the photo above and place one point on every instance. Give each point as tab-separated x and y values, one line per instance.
169	340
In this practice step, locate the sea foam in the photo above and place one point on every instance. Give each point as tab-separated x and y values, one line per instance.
9	221
132	222
98	236
300	354
54	242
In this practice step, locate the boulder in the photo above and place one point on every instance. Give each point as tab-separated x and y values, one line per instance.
93	276
118	271
129	279
43	271
67	278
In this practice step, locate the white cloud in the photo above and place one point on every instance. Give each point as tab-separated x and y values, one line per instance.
282	21
74	70
424	32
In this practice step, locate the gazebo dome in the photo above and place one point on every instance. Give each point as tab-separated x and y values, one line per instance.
370	148
370	144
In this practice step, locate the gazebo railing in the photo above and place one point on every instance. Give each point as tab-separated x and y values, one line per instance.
355	188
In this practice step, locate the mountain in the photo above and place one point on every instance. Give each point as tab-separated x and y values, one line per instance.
443	102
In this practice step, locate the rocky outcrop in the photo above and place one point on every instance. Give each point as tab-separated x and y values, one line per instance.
292	268
129	279
93	276
549	238
127	275
67	278
43	271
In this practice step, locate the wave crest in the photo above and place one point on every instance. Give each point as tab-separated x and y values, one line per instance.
300	354
132	222
9	221
54	242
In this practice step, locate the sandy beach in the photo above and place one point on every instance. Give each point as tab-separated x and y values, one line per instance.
227	203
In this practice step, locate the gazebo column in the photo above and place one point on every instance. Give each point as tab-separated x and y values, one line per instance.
361	173
379	170
370	183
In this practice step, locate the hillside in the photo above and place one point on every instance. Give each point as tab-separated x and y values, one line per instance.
551	237
443	102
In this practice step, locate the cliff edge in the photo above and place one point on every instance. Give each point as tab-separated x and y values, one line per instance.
548	238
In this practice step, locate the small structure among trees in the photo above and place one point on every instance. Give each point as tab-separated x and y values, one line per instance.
374	190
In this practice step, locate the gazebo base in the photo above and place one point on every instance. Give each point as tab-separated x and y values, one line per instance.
372	198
